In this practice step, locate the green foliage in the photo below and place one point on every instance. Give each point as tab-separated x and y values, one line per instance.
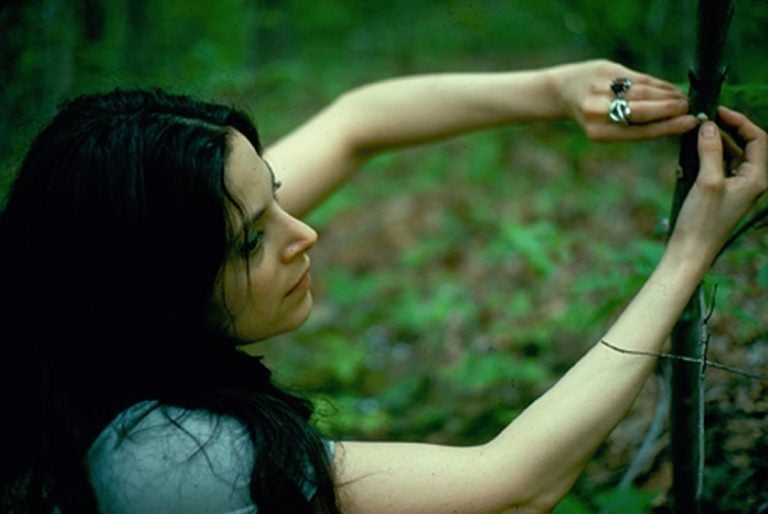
479	373
534	243
751	99
762	276
625	501
616	501
572	505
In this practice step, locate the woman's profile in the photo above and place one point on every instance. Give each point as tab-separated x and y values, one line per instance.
148	236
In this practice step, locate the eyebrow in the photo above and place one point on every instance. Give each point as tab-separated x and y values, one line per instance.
276	184
260	213
271	173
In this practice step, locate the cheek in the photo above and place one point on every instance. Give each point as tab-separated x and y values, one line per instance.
249	295
220	311
250	301
256	293
230	295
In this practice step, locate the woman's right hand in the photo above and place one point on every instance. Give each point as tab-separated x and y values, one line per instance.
716	203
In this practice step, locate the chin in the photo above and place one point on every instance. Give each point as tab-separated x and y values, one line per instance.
304	311
297	318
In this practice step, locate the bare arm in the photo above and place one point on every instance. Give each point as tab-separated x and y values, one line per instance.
317	157
531	464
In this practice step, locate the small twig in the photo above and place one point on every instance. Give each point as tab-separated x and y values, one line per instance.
706	335
684	358
712	302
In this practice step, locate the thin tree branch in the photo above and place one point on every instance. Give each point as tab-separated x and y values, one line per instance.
684	358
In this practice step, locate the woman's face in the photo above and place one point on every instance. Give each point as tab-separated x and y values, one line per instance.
263	289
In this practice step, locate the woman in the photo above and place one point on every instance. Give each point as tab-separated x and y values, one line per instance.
143	243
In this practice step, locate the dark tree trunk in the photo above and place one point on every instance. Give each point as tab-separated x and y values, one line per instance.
689	335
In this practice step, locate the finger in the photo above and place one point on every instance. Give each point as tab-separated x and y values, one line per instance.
710	155
752	177
756	150
642	111
731	148
640	90
656	110
750	172
613	71
670	127
742	125
611	132
643	92
650	80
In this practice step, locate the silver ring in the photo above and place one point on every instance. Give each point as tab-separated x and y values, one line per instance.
619	110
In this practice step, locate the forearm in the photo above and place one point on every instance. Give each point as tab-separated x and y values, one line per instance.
413	110
557	435
319	156
316	158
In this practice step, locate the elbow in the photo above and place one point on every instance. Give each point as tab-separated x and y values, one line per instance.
533	506
541	500
544	505
546	499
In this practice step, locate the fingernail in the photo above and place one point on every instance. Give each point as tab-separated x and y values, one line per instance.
708	130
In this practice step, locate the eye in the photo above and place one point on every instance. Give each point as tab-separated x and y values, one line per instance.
253	242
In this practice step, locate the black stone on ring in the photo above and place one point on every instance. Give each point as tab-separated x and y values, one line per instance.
620	85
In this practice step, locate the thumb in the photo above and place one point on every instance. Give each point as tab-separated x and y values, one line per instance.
710	153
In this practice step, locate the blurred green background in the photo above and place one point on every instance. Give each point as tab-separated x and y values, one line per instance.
454	282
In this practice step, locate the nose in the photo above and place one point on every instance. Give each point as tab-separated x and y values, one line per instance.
303	238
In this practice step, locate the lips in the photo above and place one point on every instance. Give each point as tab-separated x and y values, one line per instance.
302	284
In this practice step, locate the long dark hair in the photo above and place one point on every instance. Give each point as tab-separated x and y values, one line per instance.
112	238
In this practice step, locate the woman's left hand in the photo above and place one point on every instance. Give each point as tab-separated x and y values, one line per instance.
658	108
